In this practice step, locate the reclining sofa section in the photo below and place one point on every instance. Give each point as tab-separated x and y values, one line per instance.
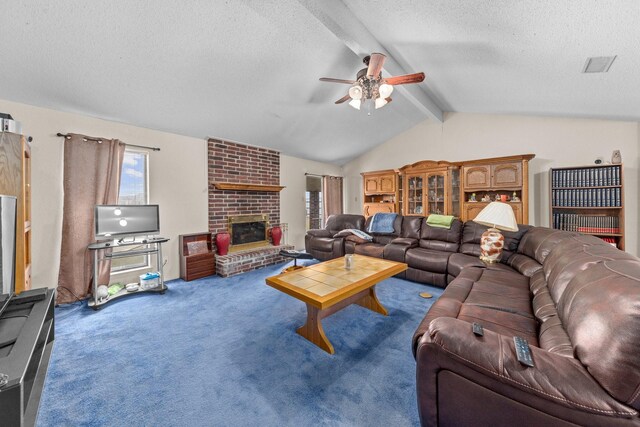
574	298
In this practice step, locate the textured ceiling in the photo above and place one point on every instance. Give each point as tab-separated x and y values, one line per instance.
248	71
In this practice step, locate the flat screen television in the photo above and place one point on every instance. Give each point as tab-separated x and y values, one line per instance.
126	220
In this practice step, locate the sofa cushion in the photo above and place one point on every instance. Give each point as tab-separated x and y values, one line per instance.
574	255
554	338
472	233
428	260
502	289
457	262
600	310
370	249
323	244
543	305
397	227
501	322
524	264
340	222
411	227
441	239
540	241
356	239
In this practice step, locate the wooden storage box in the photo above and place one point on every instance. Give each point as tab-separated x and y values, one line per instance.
197	258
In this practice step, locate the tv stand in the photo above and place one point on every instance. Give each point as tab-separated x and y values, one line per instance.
150	245
27	329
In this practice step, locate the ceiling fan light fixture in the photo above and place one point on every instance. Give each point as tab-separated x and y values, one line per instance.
380	102
355	103
355	92
385	90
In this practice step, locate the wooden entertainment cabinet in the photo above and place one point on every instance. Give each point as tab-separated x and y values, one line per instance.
449	188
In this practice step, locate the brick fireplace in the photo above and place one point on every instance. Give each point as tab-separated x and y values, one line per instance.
233	163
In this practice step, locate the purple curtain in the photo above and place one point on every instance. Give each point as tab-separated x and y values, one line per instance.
91	177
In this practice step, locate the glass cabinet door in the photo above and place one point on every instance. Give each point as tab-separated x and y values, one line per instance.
414	195
455	192
436	194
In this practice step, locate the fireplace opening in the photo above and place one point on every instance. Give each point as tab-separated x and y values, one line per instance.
248	231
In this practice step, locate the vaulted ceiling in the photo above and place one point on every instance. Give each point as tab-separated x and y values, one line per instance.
248	70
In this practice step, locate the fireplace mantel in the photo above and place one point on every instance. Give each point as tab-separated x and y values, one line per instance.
247	187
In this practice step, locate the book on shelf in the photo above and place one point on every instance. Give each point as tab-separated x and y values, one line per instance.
590	197
601	176
591	224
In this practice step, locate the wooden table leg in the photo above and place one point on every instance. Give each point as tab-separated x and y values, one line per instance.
370	301
312	330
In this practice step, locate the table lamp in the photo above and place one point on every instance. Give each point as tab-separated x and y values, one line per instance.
498	216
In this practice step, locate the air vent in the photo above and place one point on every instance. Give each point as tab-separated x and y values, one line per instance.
598	64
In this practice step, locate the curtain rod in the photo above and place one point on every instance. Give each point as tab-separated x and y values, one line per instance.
99	141
313	174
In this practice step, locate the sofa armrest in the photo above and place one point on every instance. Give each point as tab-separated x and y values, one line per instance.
320	233
490	361
405	241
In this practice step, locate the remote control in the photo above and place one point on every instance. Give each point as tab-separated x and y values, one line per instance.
477	329
523	352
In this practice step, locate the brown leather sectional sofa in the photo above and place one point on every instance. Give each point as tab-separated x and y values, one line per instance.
574	298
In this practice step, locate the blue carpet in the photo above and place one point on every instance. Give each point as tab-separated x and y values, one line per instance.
224	352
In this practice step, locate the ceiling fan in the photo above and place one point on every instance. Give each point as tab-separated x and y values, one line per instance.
369	84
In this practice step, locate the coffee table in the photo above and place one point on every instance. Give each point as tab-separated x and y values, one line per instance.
329	287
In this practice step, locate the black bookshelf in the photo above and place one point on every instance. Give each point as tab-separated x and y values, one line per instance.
588	200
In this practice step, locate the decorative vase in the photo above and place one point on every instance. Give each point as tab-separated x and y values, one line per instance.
276	235
491	244
222	242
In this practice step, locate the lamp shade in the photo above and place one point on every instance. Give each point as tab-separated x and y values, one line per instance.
498	215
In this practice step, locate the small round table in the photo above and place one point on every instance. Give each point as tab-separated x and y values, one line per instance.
296	255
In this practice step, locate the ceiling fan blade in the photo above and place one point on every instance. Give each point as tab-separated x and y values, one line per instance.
375	64
330	80
343	99
406	79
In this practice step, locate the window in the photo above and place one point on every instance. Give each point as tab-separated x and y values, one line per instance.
134	180
314	202
134	190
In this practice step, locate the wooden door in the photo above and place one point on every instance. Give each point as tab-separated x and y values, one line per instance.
477	176
387	184
507	175
372	185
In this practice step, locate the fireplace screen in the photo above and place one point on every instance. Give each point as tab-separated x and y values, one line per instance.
248	231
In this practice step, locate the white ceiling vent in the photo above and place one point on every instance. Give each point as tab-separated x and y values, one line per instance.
598	64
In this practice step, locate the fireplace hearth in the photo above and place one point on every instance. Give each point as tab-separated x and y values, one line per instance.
248	231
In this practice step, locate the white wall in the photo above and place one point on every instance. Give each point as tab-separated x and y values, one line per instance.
177	182
556	142
292	198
